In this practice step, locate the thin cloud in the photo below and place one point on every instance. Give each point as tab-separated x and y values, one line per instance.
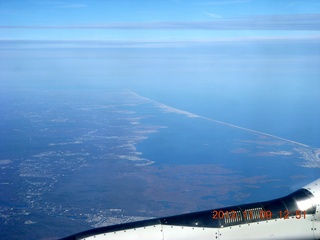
212	15
61	4
299	4
292	4
224	2
72	6
265	22
7	44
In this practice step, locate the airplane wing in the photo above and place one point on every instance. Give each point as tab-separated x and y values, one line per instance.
295	216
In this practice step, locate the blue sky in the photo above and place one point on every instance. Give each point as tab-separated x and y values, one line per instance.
158	20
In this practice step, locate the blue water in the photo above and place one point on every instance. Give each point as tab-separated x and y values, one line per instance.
196	141
291	114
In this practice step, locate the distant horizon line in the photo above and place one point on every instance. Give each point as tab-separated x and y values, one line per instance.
174	42
253	22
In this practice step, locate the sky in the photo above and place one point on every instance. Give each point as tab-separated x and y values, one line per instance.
165	20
